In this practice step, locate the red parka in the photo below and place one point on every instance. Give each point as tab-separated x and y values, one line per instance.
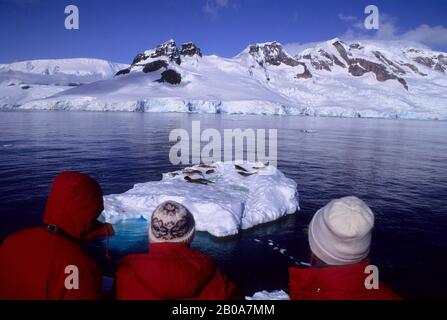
33	262
172	271
335	283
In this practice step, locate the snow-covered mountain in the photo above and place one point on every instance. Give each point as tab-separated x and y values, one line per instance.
29	80
80	67
332	78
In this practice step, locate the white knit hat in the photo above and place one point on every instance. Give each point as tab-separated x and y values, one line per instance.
340	232
172	222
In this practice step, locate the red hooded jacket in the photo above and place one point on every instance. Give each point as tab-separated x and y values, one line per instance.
335	283
172	271
33	261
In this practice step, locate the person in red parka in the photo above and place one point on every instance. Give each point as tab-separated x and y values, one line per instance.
49	262
172	270
339	238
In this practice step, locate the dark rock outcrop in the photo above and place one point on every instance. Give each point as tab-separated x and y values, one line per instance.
170	76
168	51
122	71
414	69
154	66
359	66
323	61
138	58
435	62
306	74
356	70
190	49
332	58
378	69
425	61
342	51
396	68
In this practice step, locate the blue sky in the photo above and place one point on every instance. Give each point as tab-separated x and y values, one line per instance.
118	30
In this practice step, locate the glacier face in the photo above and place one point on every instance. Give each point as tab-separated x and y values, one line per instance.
382	79
222	197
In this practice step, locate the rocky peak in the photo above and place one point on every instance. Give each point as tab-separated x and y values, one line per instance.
168	51
271	53
322	60
190	49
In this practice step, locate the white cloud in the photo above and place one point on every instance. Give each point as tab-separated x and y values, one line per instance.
431	36
296	47
434	37
212	7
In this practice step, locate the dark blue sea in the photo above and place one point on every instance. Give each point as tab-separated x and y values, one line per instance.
398	167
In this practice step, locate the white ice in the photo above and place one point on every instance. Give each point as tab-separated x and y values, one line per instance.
272	295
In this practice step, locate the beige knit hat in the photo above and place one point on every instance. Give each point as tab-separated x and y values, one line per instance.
340	232
171	222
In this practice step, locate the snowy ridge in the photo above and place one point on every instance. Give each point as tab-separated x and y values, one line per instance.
223	197
77	66
382	79
25	81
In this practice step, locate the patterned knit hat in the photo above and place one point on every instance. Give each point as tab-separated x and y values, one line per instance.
172	222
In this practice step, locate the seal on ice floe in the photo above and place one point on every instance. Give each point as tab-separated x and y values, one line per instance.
206	166
246	174
198	181
238	167
190	171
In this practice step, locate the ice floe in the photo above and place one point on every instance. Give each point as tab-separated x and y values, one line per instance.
272	295
224	197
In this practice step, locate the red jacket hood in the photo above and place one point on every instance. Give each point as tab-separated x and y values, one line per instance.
170	270
335	282
74	204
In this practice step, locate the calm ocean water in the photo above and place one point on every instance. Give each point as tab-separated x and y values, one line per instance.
398	167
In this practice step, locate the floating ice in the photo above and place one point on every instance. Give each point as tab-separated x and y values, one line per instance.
223	197
266	295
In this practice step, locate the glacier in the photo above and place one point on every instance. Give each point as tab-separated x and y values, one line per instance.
224	197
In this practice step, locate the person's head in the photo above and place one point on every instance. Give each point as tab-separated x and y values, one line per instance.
74	204
340	232
172	222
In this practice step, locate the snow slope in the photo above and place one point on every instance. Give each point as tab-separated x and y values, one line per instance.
333	78
222	197
25	81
